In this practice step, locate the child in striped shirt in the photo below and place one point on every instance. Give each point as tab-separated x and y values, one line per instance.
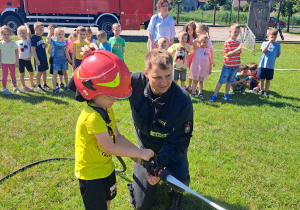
231	62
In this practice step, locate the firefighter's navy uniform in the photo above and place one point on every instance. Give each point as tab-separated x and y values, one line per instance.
164	124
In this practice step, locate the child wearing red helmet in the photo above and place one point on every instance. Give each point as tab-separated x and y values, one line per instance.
97	137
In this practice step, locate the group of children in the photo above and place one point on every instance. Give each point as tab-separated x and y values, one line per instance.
195	51
61	53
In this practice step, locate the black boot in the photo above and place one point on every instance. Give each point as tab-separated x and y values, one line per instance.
175	200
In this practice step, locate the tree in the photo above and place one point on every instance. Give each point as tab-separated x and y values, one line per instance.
288	8
177	3
216	3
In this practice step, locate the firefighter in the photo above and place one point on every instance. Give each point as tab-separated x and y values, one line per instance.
162	114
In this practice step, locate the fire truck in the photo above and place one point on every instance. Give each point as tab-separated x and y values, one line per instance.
131	14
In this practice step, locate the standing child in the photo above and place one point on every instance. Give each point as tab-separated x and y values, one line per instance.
71	39
38	48
25	55
163	43
231	62
50	38
200	67
241	80
102	38
116	42
77	45
271	50
88	35
190	28
254	81
180	53
58	49
9	59
97	136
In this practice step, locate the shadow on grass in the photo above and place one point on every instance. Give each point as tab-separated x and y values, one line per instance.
38	97
249	100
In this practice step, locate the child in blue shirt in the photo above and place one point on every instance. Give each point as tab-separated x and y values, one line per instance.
102	37
58	49
271	50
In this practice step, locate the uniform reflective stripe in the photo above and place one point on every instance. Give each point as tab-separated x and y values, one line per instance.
114	83
160	135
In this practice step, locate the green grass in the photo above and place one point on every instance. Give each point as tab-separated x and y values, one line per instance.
243	154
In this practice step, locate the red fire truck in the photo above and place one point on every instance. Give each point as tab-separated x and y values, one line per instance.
131	14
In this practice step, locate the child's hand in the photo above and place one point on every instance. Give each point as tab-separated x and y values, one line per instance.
146	154
209	71
73	66
46	45
213	63
37	62
17	65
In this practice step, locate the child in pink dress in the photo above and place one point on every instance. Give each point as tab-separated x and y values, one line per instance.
201	64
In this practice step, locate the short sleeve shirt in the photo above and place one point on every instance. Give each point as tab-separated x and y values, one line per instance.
235	59
238	78
92	162
105	46
181	53
24	48
117	46
160	27
8	52
38	43
267	60
77	45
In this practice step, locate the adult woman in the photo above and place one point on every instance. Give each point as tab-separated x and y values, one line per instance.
161	25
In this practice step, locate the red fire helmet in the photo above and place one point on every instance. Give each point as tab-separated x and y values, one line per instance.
102	73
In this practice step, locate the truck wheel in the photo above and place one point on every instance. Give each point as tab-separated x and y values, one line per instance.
281	26
105	24
13	22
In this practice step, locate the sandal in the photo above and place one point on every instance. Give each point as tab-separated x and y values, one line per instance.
27	89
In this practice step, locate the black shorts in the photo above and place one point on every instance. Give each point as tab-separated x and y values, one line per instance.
42	67
96	192
51	67
265	73
77	62
25	64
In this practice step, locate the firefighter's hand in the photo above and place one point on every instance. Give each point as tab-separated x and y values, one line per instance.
153	180
88	49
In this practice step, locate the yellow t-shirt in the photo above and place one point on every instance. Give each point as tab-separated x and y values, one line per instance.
180	54
91	161
77	45
8	52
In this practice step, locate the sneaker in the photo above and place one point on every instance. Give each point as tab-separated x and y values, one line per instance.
213	98
189	88
46	87
67	89
27	89
201	96
227	98
250	91
232	92
243	92
193	95
62	86
56	86
57	91
16	90
175	200
6	92
39	88
266	94
260	92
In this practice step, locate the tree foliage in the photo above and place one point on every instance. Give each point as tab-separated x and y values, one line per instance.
288	8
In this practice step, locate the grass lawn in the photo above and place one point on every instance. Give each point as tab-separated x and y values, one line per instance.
243	154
